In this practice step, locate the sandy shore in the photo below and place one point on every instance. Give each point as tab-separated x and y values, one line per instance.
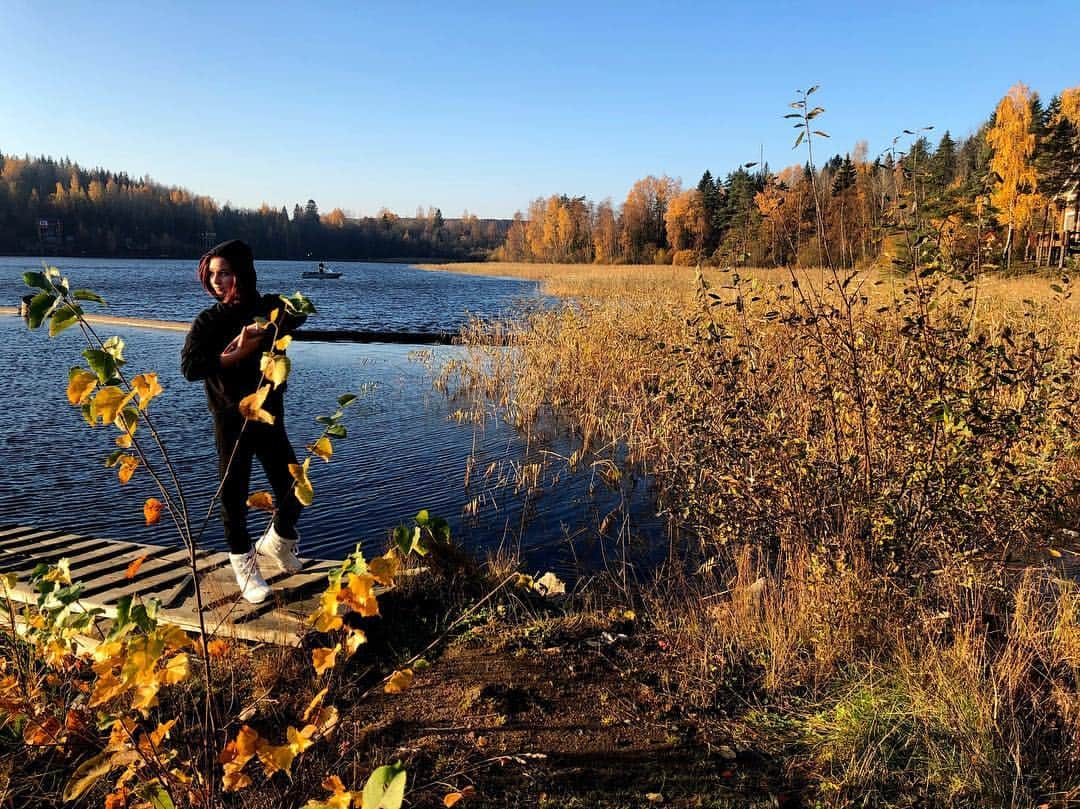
109	320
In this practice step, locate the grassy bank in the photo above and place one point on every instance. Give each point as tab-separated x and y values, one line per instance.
875	479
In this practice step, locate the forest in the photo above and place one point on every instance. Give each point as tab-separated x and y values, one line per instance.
1009	188
58	208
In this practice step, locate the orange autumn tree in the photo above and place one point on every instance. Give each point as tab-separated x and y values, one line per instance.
1013	141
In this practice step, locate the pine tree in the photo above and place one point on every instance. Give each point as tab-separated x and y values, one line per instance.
943	164
844	178
711	203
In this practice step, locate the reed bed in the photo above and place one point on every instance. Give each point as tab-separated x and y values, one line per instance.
874	477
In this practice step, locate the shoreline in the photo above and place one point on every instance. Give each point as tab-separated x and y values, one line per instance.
113	320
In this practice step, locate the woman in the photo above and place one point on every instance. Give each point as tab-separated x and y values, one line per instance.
224	348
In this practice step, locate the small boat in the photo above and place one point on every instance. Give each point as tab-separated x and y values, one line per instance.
322	272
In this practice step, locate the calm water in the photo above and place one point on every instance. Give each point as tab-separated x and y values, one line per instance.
380	297
404	452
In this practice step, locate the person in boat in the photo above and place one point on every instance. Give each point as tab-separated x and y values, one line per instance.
322	267
223	349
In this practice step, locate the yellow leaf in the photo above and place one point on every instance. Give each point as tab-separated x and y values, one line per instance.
152	512
60	572
234	780
315	702
332	783
399	681
175	637
326	619
360	595
108	403
9	580
80	385
276	758
145	697
324	659
161	732
251	406
124	441
274	313
303	490
299	740
176	670
452	798
121	733
323	448
246	741
217	647
107	688
126	467
275	368
133	568
354	641
385	568
264	501
283	343
146	385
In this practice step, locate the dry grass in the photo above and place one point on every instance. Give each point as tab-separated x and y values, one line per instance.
853	470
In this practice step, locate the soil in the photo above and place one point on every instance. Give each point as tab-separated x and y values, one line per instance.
553	713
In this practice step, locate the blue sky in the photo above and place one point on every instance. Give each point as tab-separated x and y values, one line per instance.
484	106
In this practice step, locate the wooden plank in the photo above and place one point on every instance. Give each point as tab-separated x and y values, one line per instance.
99	564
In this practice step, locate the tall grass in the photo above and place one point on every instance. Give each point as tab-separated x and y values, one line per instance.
875	474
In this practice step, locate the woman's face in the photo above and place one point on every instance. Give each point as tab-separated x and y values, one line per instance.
222	280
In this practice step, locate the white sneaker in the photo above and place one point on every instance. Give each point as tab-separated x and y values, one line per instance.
280	551
253	586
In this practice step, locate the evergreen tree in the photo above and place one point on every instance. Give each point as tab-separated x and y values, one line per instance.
943	164
844	176
711	203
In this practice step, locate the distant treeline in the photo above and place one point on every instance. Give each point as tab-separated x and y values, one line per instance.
56	207
1010	189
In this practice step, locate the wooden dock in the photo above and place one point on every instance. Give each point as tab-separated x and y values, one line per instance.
101	566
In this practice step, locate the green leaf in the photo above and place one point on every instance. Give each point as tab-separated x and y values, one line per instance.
101	363
63	318
385	789
37	279
346	400
423	517
155	794
122	619
87	774
337	431
88	295
298	304
39	307
403	539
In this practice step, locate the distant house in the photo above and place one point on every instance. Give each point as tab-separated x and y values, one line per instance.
1065	232
50	231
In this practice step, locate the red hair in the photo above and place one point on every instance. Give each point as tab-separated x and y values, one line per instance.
241	263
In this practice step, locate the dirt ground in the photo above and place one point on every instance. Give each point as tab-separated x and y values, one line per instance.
557	712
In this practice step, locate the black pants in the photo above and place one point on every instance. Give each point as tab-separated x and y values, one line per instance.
270	444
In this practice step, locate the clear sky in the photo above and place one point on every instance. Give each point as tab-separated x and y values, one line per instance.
484	106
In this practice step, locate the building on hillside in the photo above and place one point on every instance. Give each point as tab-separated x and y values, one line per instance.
1065	233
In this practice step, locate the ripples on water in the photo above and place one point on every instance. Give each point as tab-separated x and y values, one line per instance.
404	451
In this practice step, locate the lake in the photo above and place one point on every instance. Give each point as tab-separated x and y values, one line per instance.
406	450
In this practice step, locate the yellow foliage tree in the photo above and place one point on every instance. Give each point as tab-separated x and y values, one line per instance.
1013	143
685	221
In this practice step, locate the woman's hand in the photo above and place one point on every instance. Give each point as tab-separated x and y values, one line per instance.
246	343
